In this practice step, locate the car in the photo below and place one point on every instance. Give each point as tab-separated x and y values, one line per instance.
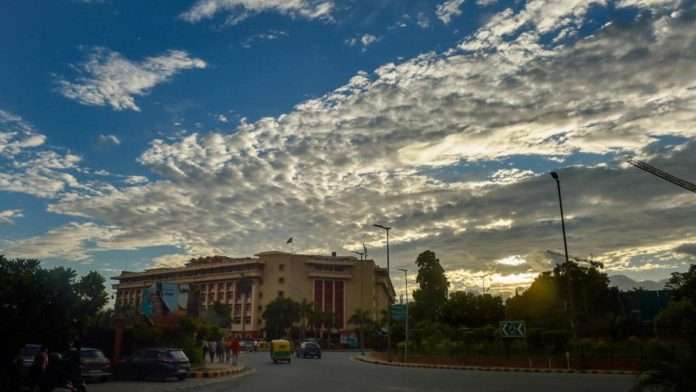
308	350
247	345
161	363
94	364
27	354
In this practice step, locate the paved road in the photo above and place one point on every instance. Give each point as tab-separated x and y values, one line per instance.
336	372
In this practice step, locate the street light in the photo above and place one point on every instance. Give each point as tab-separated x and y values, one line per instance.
406	327
565	248
389	315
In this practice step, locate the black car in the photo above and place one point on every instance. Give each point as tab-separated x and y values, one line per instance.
159	363
28	353
308	350
94	365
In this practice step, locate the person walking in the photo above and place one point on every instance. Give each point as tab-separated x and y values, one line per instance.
204	348
212	349
39	374
221	351
228	349
234	346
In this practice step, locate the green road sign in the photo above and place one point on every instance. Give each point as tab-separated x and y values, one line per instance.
513	329
398	312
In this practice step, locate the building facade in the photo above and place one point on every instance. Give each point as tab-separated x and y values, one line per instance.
339	285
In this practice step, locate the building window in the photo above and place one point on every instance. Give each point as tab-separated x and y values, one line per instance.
281	280
281	293
281	267
260	308
260	294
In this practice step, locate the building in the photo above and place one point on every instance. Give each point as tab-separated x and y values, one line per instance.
335	284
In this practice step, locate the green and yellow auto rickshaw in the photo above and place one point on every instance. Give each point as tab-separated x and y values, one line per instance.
280	350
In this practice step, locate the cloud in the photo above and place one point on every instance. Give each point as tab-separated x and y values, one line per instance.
448	10
8	216
108	140
267	36
375	149
687	249
107	78
365	40
239	10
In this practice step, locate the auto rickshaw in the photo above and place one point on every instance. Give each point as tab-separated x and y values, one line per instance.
280	350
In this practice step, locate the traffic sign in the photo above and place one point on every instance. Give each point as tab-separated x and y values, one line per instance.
513	329
399	312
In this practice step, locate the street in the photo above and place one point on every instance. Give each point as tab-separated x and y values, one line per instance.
337	372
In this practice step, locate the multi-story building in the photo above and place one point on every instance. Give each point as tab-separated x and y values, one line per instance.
336	284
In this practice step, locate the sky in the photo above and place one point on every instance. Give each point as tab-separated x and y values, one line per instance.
140	134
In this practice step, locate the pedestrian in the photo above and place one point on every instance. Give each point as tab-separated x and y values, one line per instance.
38	374
204	348
221	350
234	346
228	349
212	346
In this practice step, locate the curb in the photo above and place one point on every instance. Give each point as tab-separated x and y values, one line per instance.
216	373
493	368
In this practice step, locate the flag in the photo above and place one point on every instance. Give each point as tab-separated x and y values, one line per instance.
289	241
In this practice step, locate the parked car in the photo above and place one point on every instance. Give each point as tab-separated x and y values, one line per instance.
308	350
247	345
160	363
94	364
28	353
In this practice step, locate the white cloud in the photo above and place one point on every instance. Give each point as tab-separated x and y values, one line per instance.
109	79
365	153
106	140
449	10
8	216
270	35
238	10
364	41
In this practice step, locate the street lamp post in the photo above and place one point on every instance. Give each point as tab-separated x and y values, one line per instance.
389	315
362	305
406	326
567	260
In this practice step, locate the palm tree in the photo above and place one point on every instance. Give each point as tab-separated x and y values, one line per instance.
305	309
360	318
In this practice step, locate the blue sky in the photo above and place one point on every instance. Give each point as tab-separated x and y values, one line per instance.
136	134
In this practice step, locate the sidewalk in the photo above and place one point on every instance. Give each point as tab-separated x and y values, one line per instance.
368	359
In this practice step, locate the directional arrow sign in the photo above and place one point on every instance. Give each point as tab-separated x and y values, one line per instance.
513	329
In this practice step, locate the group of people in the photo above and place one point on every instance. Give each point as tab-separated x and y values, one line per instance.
224	350
49	371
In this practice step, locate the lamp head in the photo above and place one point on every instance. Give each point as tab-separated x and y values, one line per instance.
554	175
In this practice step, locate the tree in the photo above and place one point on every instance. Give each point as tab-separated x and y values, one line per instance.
222	313
431	295
92	291
471	310
279	316
305	310
45	306
361	318
550	302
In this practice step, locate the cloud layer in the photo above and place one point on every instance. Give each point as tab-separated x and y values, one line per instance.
107	78
392	147
238	10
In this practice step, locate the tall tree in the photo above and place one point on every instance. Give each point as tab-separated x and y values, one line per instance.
472	310
92	290
305	309
279	315
431	295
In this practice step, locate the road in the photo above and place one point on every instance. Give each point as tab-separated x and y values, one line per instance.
337	372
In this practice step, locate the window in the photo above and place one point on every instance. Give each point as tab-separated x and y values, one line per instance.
260	294
260	308
281	293
281	280
281	267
